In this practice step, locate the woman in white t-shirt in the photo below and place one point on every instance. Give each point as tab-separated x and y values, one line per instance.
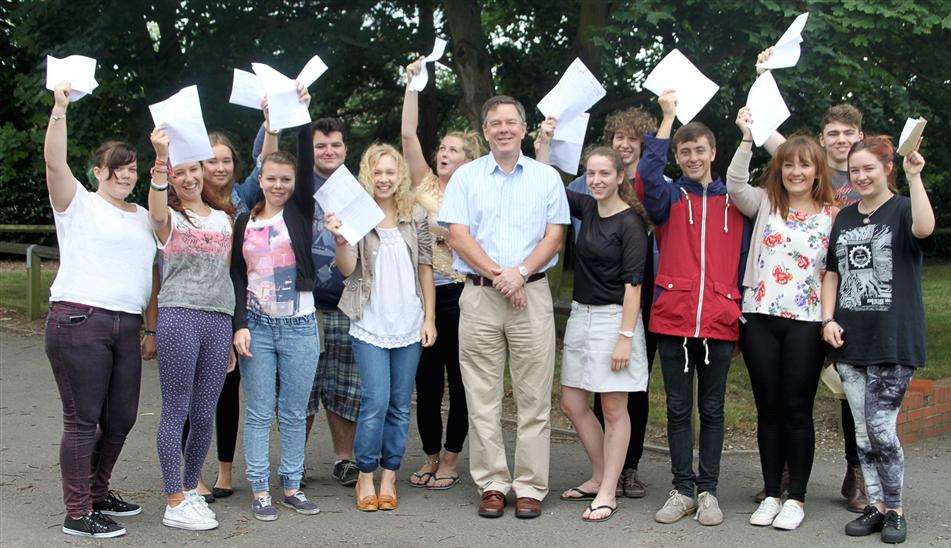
92	330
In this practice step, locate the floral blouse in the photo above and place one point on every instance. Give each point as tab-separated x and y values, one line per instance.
792	262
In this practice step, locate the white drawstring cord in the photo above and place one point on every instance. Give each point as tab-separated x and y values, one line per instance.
706	353
686	357
726	211
689	207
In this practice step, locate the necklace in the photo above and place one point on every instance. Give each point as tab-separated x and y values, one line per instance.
868	216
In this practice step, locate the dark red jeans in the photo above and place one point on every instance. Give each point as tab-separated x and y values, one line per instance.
97	364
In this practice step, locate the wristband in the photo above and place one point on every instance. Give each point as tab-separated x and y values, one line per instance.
747	141
57	117
827	321
149	333
158	188
269	132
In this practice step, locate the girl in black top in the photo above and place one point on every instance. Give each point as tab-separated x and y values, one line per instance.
604	338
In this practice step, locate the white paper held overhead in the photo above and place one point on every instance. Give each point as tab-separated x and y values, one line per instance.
284	107
246	90
418	83
767	108
676	72
787	50
576	92
344	196
181	116
911	135
78	70
567	143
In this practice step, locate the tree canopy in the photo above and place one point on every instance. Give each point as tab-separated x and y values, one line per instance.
890	59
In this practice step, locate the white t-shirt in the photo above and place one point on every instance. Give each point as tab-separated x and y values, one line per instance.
105	254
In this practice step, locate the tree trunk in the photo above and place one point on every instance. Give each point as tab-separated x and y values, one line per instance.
470	56
430	112
592	16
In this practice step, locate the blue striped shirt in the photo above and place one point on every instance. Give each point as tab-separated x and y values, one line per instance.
507	213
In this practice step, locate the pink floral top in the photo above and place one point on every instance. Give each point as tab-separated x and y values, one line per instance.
791	264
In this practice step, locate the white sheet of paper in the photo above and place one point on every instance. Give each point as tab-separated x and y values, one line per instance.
78	70
787	50
246	90
314	69
418	83
565	156
343	195
284	107
767	107
910	134
572	131
676	72
181	116
576	92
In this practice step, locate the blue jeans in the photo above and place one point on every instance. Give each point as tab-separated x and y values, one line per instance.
387	376
287	348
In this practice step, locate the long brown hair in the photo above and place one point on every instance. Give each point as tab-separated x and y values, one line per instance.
807	150
224	198
175	203
626	189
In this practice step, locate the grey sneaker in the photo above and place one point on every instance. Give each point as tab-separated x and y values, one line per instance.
262	508
634	488
708	512
298	501
676	507
345	472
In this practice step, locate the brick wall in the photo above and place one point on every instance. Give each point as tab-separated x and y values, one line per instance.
926	411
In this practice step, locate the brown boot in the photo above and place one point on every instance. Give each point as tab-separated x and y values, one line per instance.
853	489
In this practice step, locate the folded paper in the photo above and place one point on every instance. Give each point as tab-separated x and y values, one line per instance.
78	70
181	117
787	50
676	72
418	83
767	108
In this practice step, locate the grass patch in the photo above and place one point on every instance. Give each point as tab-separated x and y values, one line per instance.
13	285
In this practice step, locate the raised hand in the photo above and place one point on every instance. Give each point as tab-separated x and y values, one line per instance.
668	103
160	141
61	96
743	120
413	69
913	164
545	131
762	58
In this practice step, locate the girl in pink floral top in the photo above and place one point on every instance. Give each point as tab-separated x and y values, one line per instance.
793	211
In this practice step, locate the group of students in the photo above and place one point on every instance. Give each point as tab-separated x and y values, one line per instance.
254	281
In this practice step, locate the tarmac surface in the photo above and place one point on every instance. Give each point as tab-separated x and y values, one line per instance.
31	508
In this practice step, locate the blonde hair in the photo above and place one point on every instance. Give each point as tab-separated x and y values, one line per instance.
428	189
404	196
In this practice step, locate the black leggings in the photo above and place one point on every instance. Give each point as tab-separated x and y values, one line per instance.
437	363
226	418
784	359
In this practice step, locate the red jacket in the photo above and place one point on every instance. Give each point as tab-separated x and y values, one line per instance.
703	241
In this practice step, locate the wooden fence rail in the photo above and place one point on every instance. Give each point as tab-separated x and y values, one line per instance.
35	289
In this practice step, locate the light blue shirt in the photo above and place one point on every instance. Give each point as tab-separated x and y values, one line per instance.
507	213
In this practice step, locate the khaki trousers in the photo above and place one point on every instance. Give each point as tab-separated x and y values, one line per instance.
491	334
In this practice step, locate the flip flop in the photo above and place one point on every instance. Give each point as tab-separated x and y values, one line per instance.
585	496
420	476
591	510
455	480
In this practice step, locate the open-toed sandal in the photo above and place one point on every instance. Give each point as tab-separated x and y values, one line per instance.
583	495
592	510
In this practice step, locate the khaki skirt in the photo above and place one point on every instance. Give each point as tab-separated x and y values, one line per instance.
590	337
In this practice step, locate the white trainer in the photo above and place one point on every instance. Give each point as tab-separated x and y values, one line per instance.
766	513
186	516
200	504
790	517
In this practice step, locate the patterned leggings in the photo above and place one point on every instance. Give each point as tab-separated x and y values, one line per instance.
875	394
193	350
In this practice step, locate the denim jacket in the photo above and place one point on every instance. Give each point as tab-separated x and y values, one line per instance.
357	286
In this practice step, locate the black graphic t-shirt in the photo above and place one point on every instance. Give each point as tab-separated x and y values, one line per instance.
879	302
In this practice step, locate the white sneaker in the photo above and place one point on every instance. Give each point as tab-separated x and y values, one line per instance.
186	516
790	517
767	511
199	503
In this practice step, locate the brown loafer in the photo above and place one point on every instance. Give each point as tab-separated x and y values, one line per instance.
387	502
492	505
367	504
528	508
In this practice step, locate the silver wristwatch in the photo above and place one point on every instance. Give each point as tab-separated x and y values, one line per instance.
628	334
524	272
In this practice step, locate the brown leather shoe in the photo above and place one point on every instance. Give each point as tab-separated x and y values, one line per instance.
853	489
527	508
492	505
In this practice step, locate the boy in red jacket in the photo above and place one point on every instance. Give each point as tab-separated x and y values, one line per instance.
702	240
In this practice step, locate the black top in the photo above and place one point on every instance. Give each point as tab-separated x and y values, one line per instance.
878	302
610	252
298	217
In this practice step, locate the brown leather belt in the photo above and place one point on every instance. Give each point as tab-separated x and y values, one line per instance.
483	281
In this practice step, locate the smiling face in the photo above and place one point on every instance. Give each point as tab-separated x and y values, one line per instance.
627	145
329	152
837	139
385	177
868	175
603	178
277	183
504	130
218	171
449	156
695	159
187	181
118	184
799	176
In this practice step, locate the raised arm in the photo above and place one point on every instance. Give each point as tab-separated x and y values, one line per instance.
543	141
746	197
59	179
158	189
412	149
304	187
922	215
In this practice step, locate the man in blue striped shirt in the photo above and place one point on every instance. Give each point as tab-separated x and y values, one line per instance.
506	214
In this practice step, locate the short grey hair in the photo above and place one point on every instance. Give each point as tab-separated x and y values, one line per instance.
502	100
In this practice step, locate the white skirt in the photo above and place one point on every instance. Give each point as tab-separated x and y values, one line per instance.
590	337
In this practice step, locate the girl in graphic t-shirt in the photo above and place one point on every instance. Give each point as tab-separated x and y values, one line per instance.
873	317
95	314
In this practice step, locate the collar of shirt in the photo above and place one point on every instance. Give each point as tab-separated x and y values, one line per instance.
493	166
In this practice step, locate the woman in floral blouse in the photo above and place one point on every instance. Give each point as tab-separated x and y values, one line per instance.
780	337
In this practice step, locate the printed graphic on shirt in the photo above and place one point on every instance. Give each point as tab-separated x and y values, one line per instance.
271	270
865	268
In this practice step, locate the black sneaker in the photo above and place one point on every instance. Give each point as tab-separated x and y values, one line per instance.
895	528
345	472
93	525
869	522
113	505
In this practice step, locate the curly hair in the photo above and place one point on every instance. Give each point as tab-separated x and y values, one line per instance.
404	196
635	121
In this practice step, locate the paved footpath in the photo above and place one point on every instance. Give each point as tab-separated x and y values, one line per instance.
31	509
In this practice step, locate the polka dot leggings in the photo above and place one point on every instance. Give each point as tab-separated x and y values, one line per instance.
193	348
